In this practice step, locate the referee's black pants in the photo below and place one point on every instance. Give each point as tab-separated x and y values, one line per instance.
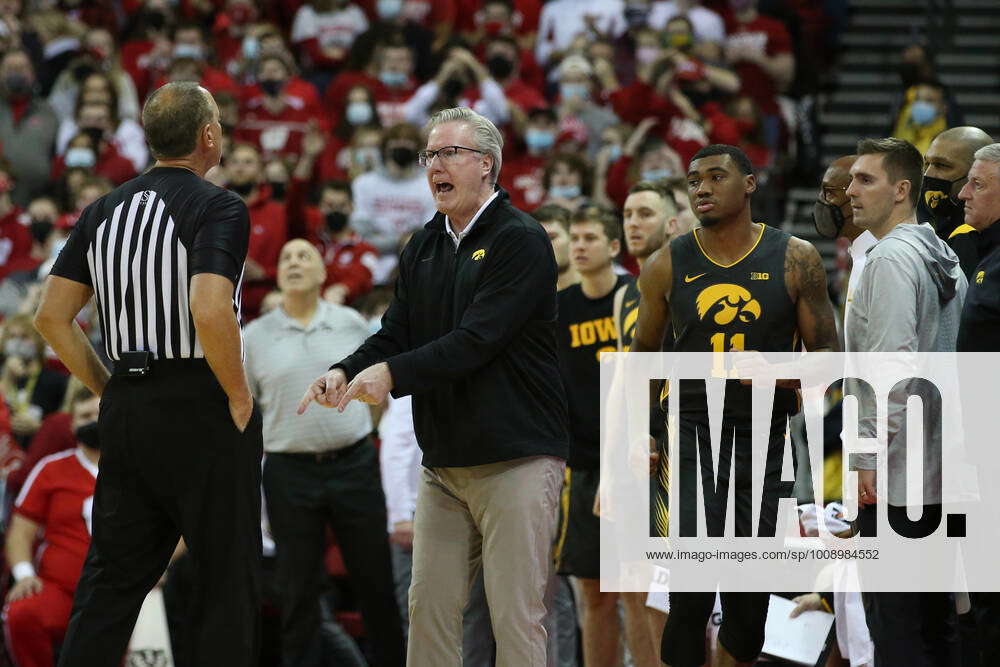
343	490
172	464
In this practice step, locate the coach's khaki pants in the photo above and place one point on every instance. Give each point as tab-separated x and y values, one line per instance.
501	516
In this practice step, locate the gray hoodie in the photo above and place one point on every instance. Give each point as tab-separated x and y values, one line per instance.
909	300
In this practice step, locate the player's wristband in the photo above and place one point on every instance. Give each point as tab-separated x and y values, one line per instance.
23	570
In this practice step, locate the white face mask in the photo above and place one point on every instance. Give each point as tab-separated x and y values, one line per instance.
80	157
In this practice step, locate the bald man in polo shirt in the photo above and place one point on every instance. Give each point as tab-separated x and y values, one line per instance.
320	468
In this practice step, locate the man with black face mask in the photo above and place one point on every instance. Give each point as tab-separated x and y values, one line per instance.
946	170
393	200
268	225
56	498
28	126
834	218
349	259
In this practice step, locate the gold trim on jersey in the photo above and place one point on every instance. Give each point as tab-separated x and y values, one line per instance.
728	266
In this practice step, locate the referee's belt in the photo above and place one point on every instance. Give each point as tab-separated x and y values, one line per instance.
142	364
323	457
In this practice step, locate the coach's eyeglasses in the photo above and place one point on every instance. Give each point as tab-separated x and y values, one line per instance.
448	154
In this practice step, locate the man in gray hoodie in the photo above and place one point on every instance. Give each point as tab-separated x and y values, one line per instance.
909	300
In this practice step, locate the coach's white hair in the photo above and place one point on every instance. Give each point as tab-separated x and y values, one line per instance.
990	153
487	137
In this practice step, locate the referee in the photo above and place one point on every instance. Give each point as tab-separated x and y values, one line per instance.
181	440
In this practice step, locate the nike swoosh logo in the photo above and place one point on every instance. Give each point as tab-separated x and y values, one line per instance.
691	279
629	304
426	259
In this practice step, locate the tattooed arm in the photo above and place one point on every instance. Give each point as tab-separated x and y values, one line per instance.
805	278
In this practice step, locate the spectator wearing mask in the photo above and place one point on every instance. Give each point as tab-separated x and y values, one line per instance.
276	119
95	108
30	389
365	154
90	150
100	55
349	259
576	107
42	214
357	109
759	49
567	181
392	19
15	237
462	81
644	158
701	79
323	32
190	42
523	175
490	19
268	225
229	30
394	199
503	61
56	500
923	116
28	126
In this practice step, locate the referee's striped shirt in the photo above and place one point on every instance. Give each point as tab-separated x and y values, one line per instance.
138	247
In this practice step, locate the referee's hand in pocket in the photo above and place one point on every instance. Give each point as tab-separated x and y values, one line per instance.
327	390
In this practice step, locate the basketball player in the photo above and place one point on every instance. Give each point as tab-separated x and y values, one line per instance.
733	284
585	331
650	219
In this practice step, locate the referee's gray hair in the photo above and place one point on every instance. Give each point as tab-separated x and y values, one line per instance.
488	137
990	153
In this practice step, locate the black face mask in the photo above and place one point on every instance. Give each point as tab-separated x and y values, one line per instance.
17	84
336	221
936	196
88	435
277	190
96	135
453	87
500	67
404	157
271	87
82	70
40	230
155	19
829	219
242	189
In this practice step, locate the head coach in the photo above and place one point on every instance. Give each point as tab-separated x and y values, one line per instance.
180	439
470	333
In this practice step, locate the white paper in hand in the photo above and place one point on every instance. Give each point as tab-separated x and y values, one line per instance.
799	640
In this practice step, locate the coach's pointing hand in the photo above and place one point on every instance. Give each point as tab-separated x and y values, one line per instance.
326	390
371	385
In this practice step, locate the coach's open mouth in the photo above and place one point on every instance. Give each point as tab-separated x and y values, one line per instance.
443	187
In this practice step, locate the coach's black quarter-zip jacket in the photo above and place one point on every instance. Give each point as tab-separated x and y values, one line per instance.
470	333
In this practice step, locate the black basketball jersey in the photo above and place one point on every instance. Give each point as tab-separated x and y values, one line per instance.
586	330
628	316
739	306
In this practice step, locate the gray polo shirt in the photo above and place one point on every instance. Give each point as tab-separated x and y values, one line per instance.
283	358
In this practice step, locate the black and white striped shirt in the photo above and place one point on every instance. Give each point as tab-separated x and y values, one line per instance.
138	247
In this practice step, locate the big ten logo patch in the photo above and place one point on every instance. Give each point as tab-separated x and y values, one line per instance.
148	658
601	330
